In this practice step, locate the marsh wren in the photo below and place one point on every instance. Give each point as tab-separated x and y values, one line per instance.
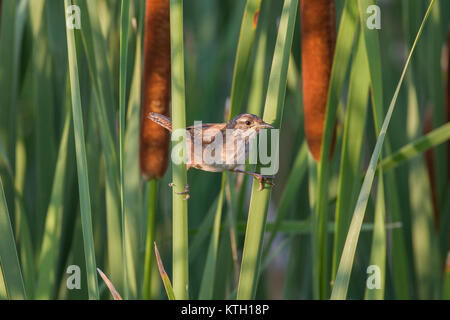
218	147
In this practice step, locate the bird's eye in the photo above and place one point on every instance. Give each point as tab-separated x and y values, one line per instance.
247	122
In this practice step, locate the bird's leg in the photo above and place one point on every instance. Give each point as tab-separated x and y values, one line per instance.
261	178
186	190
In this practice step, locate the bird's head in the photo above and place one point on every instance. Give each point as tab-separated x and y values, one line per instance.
248	123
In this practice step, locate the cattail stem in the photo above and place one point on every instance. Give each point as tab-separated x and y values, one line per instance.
152	191
125	21
179	176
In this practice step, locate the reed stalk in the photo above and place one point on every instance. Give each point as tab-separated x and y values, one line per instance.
273	110
83	180
179	175
345	265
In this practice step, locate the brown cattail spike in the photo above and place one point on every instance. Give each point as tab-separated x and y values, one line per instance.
318	24
154	140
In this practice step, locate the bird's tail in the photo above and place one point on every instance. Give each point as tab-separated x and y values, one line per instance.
163	121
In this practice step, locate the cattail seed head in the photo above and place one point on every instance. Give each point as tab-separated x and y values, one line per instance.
318	32
155	140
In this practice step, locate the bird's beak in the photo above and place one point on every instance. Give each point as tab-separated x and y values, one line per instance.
265	126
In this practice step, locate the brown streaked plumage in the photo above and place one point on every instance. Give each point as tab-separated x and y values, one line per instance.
154	140
246	125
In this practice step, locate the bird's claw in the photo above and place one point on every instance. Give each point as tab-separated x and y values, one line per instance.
185	192
262	178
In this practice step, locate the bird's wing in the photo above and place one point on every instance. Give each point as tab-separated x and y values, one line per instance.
207	131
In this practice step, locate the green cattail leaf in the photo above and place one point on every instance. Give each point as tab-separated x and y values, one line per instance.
85	202
273	111
345	266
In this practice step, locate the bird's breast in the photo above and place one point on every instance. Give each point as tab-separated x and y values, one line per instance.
221	154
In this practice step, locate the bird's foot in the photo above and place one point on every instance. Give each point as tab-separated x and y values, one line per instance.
185	192
262	178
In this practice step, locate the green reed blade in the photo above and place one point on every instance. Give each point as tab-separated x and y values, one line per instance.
399	259
207	284
443	234
345	266
44	108
95	47
258	81
9	261
165	278
243	56
50	246
295	178
351	148
378	249
179	175
124	25
273	111
424	242
203	230
110	285
148	262
341	57
241	72
416	147
85	202
133	191
436	89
